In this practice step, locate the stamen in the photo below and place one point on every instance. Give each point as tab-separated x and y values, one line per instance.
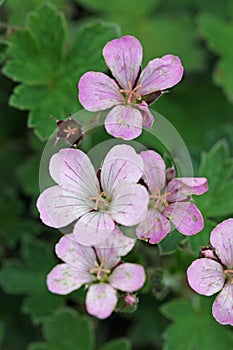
160	198
98	198
99	269
132	92
70	131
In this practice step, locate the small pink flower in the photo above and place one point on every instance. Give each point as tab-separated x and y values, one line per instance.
207	276
95	204
127	95
169	201
99	268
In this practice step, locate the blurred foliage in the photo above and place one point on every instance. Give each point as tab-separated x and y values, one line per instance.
45	46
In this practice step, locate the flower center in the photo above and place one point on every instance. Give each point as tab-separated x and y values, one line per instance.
229	275
100	201
132	92
158	200
99	269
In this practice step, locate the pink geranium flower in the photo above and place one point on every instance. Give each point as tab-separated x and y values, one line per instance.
100	269
95	203
209	276
169	201
127	95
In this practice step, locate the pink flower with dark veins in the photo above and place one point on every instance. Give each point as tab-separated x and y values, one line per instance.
128	94
207	276
95	204
169	201
100	269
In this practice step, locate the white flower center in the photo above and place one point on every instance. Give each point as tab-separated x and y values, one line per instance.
132	93
99	269
101	202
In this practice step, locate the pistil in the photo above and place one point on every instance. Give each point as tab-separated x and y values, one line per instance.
132	92
99	269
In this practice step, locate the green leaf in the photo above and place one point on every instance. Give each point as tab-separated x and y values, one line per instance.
217	167
117	344
51	89
194	327
18	8
219	36
66	330
29	277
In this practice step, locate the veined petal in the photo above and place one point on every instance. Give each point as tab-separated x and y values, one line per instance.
221	239
181	188
73	170
113	247
124	122
147	116
160	74
59	207
154	227
223	305
64	279
101	300
154	170
128	277
206	276
75	254
185	216
129	203
98	92
124	57
93	228
121	163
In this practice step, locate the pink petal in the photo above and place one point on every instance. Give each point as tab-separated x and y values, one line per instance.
124	122
185	216
93	228
181	188
221	239
113	247
160	74
64	279
101	300
128	277
75	254
154	170
124	57
147	116
59	207
98	92
73	170
129	203
223	305
206	276
121	163
154	227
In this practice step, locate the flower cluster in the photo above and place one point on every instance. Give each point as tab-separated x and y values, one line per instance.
129	189
214	272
